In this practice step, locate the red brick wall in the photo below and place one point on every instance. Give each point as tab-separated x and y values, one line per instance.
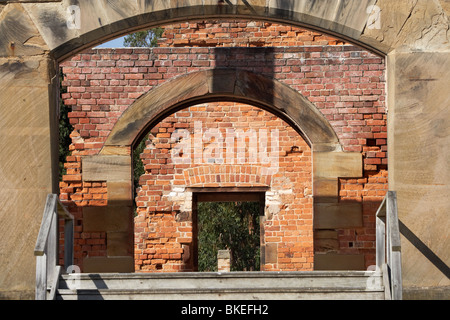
344	82
162	235
216	33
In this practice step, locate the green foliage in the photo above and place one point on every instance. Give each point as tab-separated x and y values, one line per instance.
65	129
229	225
138	166
143	39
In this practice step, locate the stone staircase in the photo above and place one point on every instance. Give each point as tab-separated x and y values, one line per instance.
316	285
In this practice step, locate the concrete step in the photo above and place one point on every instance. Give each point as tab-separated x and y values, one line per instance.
221	294
228	286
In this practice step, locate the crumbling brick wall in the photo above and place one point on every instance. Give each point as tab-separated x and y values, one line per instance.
164	231
344	82
238	33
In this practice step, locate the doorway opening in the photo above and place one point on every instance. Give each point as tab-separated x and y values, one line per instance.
230	221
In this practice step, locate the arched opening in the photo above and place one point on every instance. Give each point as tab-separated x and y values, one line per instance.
33	31
224	152
94	23
223	83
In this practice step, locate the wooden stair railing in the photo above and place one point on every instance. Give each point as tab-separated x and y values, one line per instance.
46	249
388	246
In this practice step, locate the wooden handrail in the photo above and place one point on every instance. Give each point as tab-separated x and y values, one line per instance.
388	246
46	248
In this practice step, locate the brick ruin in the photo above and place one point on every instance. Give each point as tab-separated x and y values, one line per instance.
344	82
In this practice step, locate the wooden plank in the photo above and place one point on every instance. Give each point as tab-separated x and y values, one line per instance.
41	277
396	276
52	246
62	211
394	246
68	243
381	212
386	283
44	230
380	243
54	283
391	209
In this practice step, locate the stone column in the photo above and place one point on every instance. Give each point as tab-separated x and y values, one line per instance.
418	141
28	164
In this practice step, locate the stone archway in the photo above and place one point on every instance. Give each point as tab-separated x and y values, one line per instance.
94	22
113	164
35	35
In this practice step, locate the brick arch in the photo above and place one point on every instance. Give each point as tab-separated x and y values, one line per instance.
113	164
226	176
222	85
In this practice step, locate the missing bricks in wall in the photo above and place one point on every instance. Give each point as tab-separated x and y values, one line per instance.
294	149
345	83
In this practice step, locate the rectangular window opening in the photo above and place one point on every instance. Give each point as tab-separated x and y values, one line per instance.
228	221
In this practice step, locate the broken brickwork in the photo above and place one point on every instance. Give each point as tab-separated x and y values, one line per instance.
344	82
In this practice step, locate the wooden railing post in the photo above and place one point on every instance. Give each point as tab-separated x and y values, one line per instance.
52	245
41	277
47	247
380	243
388	246
68	243
395	246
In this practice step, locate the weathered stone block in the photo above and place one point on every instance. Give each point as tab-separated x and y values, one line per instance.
325	190
337	215
271	252
337	164
106	168
120	193
103	219
333	261
326	240
118	244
